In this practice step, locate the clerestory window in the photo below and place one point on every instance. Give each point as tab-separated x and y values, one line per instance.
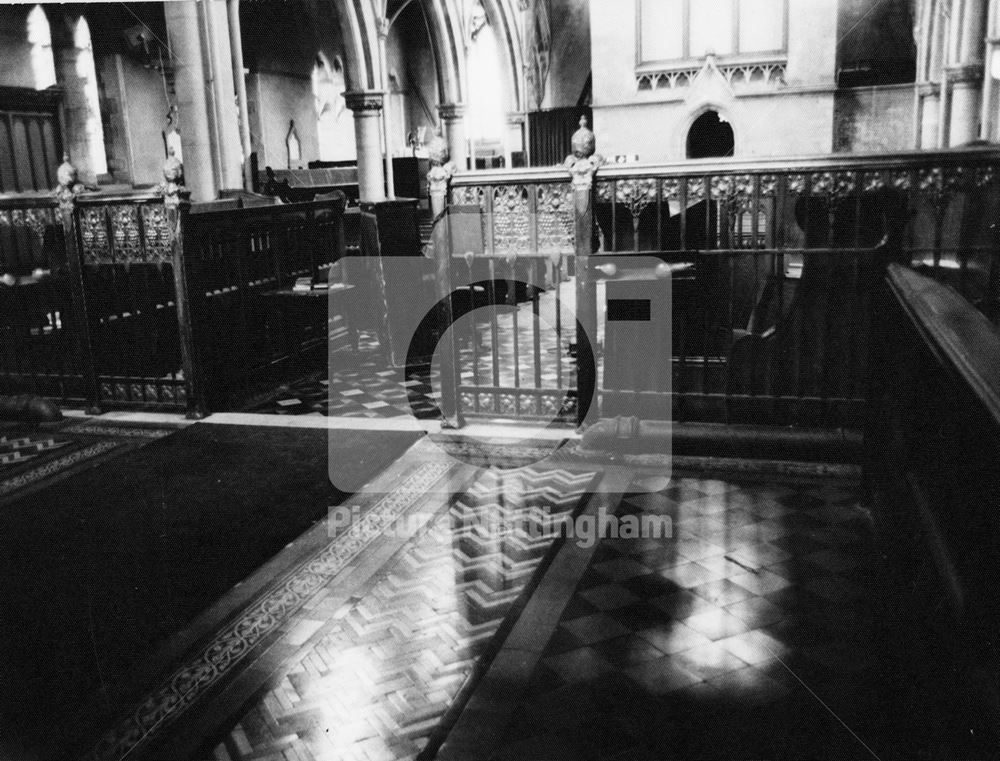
675	30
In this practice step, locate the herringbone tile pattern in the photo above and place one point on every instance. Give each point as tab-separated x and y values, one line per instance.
374	679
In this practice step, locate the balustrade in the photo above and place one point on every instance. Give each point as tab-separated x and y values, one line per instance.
141	300
771	263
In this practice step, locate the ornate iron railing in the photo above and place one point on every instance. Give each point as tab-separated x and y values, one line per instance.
771	265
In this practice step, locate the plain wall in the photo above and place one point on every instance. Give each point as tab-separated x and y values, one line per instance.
280	45
874	119
790	118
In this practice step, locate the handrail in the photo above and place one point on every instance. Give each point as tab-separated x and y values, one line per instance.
960	336
784	164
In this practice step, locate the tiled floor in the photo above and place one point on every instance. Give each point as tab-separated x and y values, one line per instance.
755	628
363	384
750	634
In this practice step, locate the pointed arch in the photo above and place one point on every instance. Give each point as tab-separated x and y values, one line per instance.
358	31
725	113
39	35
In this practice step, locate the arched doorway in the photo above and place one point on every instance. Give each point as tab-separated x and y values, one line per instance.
710	135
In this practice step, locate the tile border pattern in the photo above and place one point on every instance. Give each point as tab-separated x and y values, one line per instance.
233	642
52	467
128	432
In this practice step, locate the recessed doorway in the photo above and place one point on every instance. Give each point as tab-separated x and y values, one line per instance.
710	135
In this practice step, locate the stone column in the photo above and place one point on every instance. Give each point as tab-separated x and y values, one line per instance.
966	76
225	114
582	167
240	83
965	91
367	108
453	120
929	109
184	32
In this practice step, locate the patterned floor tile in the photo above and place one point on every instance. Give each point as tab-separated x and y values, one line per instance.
379	680
725	631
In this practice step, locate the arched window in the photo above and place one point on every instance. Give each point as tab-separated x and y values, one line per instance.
43	67
334	131
87	72
710	135
486	113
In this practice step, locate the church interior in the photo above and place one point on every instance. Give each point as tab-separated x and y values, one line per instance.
499	379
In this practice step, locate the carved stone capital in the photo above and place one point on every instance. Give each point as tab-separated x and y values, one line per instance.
364	101
927	89
68	188
964	72
451	112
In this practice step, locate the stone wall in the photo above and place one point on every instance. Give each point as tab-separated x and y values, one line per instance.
782	107
281	42
873	119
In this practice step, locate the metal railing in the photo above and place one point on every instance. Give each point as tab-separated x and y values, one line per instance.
771	267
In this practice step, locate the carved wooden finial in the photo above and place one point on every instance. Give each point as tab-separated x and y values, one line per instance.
584	162
584	143
68	186
66	173
173	180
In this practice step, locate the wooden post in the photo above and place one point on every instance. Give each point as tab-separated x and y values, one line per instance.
583	166
438	178
177	205
66	195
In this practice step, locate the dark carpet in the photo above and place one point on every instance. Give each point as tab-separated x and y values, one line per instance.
31	457
101	568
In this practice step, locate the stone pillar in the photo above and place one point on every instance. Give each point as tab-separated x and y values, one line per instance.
453	119
367	108
966	76
240	83
184	32
965	91
929	111
225	117
438	178
582	167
